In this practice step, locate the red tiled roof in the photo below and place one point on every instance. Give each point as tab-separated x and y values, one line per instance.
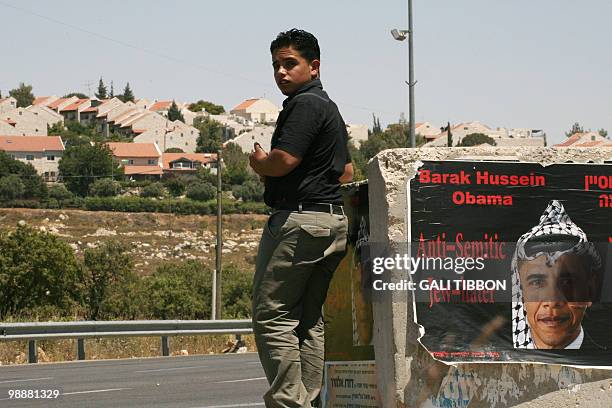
160	106
139	131
246	104
57	103
40	99
91	109
31	143
152	170
133	149
74	106
204	158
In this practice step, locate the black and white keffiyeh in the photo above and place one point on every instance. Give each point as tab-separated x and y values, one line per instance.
553	222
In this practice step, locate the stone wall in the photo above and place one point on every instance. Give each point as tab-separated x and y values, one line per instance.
407	375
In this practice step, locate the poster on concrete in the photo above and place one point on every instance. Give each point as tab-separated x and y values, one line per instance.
348	308
511	261
350	384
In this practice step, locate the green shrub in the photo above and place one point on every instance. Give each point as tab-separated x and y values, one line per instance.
36	270
251	190
201	191
104	187
176	186
153	190
11	187
59	192
237	288
180	290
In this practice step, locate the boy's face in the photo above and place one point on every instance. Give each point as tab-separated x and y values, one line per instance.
556	298
291	70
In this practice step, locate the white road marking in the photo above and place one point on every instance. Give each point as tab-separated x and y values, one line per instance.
26	380
95	391
235	381
251	404
169	369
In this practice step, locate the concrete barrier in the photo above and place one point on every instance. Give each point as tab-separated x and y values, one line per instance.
407	375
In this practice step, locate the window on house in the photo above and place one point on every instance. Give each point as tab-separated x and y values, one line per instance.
12	156
593	138
50	157
29	157
152	162
130	161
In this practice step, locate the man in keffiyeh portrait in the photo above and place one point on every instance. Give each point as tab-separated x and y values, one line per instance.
556	276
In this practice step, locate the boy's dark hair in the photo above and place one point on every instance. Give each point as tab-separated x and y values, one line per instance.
301	41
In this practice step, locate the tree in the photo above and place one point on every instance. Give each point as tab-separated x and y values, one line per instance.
174	113
174	150
476	139
235	165
101	94
33	184
23	94
211	133
153	190
79	95
376	129
210	107
108	265
128	95
250	190
60	193
201	191
82	164
576	128
176	186
11	187
180	290
104	187
112	91
603	132
37	270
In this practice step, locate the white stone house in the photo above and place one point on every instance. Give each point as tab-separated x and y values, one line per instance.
8	104
73	111
45	114
257	110
261	134
173	135
25	122
139	159
42	152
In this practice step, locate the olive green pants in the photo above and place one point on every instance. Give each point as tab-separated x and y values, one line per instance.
298	254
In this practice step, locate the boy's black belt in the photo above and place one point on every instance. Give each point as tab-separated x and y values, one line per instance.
320	207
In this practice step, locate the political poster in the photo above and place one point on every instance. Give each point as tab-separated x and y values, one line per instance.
348	308
509	261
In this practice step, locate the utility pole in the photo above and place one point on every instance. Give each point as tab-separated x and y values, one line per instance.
216	284
401	35
411	82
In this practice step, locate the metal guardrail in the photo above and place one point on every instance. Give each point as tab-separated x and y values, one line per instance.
81	330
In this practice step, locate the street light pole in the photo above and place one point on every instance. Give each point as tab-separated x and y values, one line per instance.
411	76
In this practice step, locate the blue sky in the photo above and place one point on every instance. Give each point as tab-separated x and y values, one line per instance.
537	64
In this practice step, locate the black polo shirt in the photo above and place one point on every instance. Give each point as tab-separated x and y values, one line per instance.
309	127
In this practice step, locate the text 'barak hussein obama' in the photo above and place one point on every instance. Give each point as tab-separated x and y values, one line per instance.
481	178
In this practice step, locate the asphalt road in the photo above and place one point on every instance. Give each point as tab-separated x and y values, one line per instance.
218	381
